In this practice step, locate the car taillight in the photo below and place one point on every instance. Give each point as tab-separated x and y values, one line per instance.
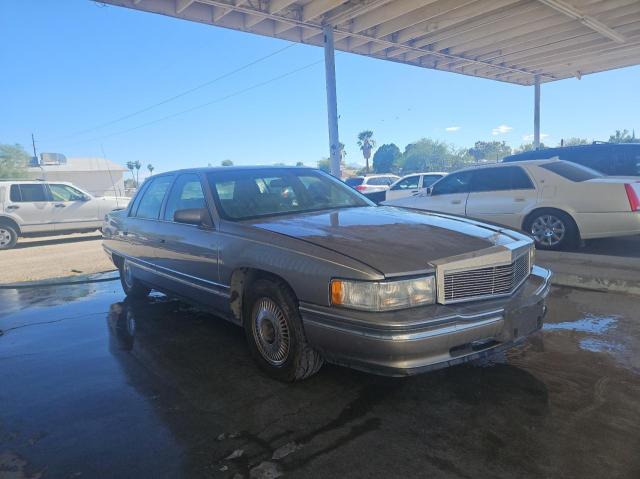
361	187
632	195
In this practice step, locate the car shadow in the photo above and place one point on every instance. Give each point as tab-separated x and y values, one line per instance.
47	241
625	246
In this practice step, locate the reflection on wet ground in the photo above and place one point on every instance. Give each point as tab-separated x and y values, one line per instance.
94	386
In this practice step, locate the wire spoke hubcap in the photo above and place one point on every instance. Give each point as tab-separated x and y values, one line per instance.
548	230
271	331
5	237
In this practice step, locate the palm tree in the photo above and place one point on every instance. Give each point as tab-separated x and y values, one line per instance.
150	167
137	165
131	166
366	144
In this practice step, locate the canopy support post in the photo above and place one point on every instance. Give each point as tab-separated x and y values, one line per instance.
332	102
536	113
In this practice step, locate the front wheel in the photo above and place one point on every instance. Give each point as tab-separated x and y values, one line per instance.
552	230
274	332
132	287
8	237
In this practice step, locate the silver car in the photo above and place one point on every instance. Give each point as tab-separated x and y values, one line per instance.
313	271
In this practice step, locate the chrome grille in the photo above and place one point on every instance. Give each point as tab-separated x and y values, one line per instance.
486	282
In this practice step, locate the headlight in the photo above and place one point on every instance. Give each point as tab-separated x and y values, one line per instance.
383	295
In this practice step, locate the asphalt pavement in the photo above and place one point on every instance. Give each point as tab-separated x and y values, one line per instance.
93	386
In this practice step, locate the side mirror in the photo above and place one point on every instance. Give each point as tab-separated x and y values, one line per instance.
190	216
429	190
85	198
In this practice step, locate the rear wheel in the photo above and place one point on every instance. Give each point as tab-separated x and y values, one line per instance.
274	331
552	229
132	287
8	237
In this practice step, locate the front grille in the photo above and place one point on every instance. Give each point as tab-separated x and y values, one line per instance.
486	282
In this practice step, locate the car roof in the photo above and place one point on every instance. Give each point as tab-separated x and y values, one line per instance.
212	169
37	182
506	164
554	150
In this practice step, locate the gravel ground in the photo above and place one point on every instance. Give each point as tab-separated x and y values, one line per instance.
53	257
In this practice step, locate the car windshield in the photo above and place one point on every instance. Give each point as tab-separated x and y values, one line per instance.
245	194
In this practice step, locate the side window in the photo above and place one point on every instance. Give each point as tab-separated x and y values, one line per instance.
501	179
28	193
151	201
65	193
377	181
410	183
428	180
186	193
596	159
454	183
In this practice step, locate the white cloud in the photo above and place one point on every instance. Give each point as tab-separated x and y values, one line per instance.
529	137
501	130
452	128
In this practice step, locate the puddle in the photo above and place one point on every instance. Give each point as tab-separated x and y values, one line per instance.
591	323
601	346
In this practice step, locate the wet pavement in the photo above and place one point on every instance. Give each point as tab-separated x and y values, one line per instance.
92	386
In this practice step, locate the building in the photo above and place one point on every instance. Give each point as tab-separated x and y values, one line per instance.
98	176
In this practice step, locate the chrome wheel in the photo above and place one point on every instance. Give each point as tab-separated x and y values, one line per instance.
127	274
271	331
548	230
5	237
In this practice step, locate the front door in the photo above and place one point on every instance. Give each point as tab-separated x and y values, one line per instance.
73	210
31	206
405	187
449	195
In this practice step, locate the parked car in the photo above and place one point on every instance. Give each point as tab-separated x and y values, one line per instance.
613	159
371	183
315	272
412	184
37	208
557	202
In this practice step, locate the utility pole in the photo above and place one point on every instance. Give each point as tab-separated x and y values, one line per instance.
35	154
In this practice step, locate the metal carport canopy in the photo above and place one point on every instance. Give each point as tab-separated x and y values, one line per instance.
517	41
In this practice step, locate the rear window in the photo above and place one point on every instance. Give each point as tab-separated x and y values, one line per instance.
354	181
571	171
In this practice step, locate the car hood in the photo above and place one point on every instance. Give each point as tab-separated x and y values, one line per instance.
391	240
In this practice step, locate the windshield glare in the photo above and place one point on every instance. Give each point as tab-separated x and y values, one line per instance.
244	194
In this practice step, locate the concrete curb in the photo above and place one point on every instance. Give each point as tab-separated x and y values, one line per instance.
64	281
605	285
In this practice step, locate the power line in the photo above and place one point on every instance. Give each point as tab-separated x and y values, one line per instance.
203	105
179	95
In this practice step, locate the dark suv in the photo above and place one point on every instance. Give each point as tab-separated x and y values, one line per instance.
613	159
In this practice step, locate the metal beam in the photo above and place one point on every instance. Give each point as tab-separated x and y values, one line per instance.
595	25
332	101
317	7
536	113
182	5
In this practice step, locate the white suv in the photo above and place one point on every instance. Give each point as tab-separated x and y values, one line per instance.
371	183
38	208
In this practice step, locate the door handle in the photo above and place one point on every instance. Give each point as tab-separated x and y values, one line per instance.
12	207
60	205
456	202
519	200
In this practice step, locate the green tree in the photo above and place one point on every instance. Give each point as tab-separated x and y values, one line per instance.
624	137
366	144
150	167
227	163
528	147
299	163
134	165
14	161
386	158
573	141
490	150
427	155
324	164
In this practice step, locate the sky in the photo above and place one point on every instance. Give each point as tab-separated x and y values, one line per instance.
75	72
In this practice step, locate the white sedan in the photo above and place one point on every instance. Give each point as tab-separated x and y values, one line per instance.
412	184
557	202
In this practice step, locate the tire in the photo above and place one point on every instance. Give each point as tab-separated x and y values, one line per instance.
132	287
274	332
552	229
8	236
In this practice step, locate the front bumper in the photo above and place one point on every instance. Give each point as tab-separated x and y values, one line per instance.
409	342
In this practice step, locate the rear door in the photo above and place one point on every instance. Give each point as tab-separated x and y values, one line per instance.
30	204
73	210
501	195
449	195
